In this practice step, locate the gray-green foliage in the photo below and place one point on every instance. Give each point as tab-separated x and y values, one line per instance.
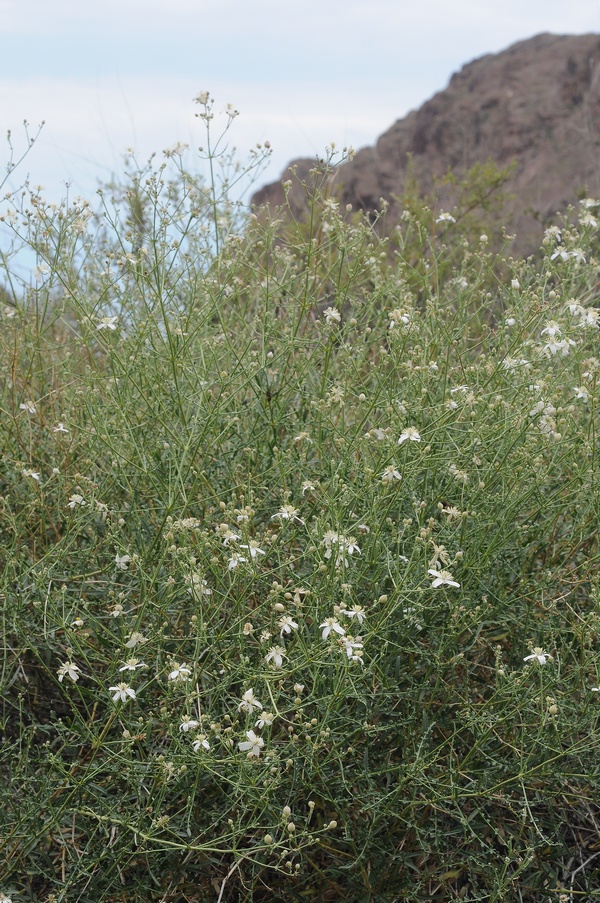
201	470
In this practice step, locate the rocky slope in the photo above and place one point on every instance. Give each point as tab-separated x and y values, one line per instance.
536	103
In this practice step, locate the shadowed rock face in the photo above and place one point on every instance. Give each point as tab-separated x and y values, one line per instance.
536	103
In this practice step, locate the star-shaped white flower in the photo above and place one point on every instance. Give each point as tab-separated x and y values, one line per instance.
286	625
287	512
330	624
249	702
276	655
188	724
252	745
539	656
180	672
253	548
122	692
200	741
357	611
410	433
442	578
132	664
352	647
331	315
265	720
107	323
69	669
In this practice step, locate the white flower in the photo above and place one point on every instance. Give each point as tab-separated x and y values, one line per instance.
28	406
576	254
357	611
351	546
410	433
253	549
287	624
442	578
123	692
33	474
60	428
249	702
75	500
330	624
78	622
287	512
68	669
552	328
132	664
179	672
308	486
332	315
226	534
445	218
265	720
252	745
276	654
515	284
554	346
188	724
134	638
107	323
581	393
234	561
122	561
539	655
352	647
589	317
390	474
201	741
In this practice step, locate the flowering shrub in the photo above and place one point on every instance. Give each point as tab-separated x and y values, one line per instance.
299	564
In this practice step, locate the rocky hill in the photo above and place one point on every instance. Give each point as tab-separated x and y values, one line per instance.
536	103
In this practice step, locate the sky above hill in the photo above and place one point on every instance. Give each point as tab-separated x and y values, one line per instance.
122	73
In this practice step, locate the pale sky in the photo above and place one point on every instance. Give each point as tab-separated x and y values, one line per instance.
122	73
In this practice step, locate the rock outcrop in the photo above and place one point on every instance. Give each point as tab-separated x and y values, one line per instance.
536	103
